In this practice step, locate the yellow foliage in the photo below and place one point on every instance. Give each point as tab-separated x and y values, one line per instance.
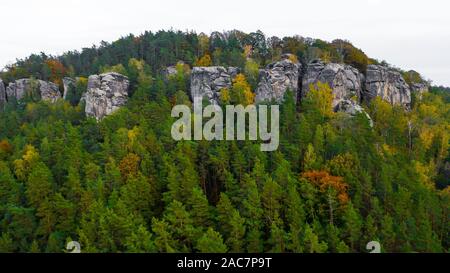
204	61
293	58
248	51
225	97
23	166
426	136
241	92
320	96
425	173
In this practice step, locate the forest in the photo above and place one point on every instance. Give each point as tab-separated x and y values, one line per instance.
124	185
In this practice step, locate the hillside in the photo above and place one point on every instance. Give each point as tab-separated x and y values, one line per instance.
86	151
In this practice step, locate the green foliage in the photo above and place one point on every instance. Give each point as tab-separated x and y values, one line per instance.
124	185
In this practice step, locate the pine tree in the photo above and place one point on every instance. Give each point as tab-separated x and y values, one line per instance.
200	209
353	226
39	185
312	243
211	242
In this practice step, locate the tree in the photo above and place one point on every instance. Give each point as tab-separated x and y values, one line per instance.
251	72
204	61
140	241
211	242
332	186
39	185
312	243
164	241
270	197
253	212
241	91
353	226
200	208
318	102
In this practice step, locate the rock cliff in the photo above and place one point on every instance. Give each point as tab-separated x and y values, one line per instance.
2	94
345	81
207	82
105	94
386	84
277	78
47	91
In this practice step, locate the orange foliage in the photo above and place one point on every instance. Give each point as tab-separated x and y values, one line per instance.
129	166
6	147
57	71
325	181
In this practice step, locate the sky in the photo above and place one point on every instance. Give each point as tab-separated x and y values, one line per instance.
409	34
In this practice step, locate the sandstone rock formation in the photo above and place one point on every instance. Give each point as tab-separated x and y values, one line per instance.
276	78
68	83
419	89
387	84
209	81
105	94
170	71
352	108
345	80
47	91
2	94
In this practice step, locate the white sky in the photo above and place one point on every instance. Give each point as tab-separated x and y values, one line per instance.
410	34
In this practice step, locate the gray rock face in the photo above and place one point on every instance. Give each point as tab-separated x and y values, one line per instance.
105	94
68	83
419	89
2	94
352	108
276	78
387	84
170	71
345	80
209	81
47	91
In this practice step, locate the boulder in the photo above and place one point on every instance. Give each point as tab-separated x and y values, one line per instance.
352	108
68	83
47	91
345	80
276	78
105	94
387	84
2	94
209	81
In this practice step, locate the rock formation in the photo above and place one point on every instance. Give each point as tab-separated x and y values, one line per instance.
345	80
209	81
386	84
105	94
2	94
68	83
352	108
47	91
419	89
276	78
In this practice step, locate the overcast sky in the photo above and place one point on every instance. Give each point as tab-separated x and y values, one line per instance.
410	34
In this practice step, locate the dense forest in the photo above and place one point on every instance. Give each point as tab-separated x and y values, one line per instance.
124	185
